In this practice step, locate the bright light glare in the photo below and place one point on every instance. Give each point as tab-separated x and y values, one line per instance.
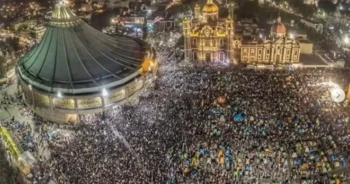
346	40
104	92
291	36
59	94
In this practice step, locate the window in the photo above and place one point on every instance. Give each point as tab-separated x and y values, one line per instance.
268	51
267	56
296	53
288	51
260	51
207	43
244	50
252	51
195	56
221	42
222	56
194	42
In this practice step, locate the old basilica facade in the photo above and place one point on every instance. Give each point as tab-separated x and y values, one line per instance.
208	38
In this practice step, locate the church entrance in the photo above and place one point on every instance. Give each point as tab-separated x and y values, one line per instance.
278	58
207	57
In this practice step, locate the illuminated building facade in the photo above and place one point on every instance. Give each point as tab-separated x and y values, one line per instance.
77	70
209	38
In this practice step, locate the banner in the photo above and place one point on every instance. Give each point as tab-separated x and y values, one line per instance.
135	87
41	100
89	103
116	96
64	103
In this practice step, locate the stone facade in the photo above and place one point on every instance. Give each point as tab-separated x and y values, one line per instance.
207	38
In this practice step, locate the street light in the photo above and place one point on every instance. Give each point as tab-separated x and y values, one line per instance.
291	36
104	92
346	40
59	94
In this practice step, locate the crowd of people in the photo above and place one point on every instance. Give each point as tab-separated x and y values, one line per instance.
218	125
201	124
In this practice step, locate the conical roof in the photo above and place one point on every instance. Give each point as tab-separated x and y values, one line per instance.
75	58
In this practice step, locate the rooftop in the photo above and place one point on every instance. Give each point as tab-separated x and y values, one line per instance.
74	58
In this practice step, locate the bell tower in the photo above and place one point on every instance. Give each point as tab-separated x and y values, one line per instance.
230	33
197	11
186	28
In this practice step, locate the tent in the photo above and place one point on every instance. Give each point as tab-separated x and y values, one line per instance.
239	117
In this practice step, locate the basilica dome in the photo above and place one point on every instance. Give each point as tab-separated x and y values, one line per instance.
278	29
210	7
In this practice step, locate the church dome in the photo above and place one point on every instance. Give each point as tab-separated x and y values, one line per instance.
210	7
75	58
278	29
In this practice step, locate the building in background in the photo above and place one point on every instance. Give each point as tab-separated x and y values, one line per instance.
209	38
77	70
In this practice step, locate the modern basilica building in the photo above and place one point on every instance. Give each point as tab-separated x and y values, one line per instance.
76	69
209	38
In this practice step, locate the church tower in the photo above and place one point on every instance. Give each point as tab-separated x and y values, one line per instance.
210	11
197	11
230	33
186	26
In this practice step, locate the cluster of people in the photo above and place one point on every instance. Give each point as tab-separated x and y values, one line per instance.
209	125
214	125
20	130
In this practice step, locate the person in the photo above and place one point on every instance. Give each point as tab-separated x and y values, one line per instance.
268	126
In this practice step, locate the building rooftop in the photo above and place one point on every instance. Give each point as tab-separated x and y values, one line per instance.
73	57
311	59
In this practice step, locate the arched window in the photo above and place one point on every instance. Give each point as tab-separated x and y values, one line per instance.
221	42
207	42
195	56
195	42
